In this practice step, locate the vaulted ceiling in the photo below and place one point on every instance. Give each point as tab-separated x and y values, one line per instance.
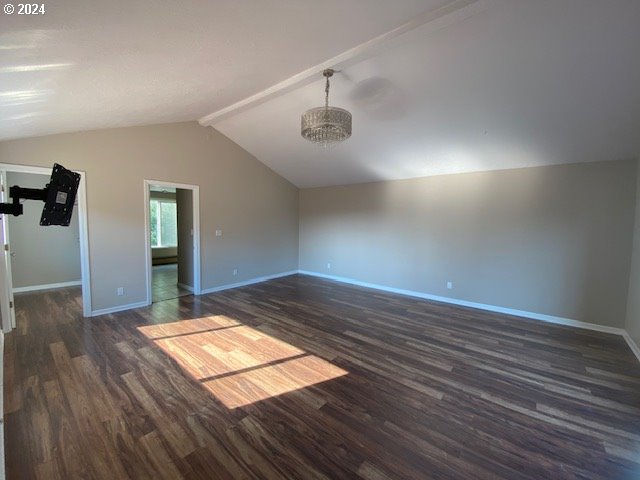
434	86
97	64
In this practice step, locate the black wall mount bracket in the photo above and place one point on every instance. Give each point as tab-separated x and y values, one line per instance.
18	193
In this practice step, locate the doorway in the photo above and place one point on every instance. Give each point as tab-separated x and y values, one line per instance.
37	258
172	235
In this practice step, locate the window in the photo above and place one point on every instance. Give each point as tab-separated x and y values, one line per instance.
164	223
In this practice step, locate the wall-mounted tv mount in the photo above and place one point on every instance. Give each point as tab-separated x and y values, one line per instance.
59	196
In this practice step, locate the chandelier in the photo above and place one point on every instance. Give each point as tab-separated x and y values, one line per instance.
326	125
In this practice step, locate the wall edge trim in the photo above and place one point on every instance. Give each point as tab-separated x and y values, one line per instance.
632	344
47	286
426	296
481	306
118	308
251	281
186	287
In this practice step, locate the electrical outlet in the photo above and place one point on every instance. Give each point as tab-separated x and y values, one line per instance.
328	266
218	233
235	272
449	285
120	291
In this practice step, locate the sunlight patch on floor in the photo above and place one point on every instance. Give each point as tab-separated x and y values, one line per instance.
239	364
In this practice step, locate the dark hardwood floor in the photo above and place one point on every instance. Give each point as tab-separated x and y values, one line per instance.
309	379
164	283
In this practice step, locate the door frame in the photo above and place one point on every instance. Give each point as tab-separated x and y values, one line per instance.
6	283
83	230
195	190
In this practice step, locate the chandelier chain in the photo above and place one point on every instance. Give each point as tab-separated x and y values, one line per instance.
326	94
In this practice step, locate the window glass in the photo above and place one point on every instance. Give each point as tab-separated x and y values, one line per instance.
154	224
164	225
168	224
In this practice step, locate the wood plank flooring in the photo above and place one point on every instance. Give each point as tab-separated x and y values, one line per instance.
164	283
308	379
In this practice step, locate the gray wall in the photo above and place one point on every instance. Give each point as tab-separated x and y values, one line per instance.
551	240
633	306
256	208
41	255
184	201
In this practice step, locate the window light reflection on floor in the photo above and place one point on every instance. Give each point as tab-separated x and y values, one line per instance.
239	364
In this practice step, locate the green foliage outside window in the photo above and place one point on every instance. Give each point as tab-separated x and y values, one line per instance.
164	223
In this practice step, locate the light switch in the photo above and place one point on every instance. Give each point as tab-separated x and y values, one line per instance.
218	233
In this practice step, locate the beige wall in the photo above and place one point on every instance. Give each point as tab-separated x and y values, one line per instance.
256	208
41	255
633	305
551	240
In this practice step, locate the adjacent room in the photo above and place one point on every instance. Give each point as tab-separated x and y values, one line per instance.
356	239
171	235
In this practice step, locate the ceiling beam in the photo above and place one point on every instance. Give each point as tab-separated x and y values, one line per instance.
453	12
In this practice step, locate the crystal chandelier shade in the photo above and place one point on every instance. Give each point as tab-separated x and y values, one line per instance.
326	125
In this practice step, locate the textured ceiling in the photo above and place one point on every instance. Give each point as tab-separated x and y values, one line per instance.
95	64
513	83
523	83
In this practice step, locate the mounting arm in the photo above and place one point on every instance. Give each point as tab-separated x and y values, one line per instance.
18	193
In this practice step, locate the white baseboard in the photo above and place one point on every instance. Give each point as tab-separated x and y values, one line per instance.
129	306
481	306
48	286
632	345
248	282
119	308
186	287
